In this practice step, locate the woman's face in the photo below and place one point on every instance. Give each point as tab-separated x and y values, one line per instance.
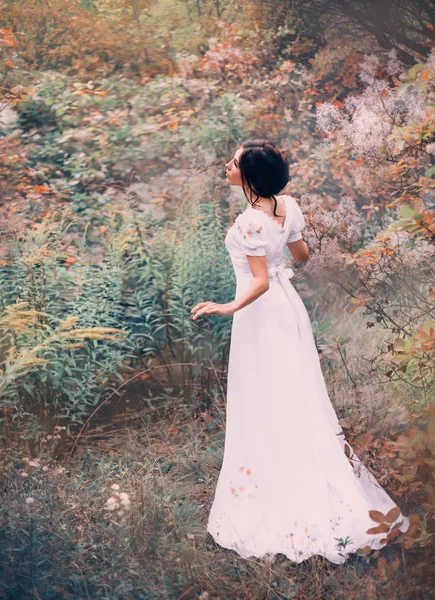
233	170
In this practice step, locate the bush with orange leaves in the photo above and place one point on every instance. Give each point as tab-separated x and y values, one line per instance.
64	35
389	133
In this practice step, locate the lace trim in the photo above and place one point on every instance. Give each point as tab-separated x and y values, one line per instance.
281	227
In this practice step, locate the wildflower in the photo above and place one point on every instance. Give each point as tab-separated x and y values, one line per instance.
30	500
24	474
115	486
328	117
368	68
124	498
394	65
431	59
112	504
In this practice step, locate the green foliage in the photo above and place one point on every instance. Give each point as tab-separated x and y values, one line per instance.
144	284
225	125
170	273
72	379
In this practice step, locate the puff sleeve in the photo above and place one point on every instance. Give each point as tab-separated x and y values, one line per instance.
298	223
250	235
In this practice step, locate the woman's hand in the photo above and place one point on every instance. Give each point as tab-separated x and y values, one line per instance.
211	308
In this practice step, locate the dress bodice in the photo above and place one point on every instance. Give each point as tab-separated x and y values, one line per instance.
255	233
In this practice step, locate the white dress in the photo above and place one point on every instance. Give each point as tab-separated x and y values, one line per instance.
285	485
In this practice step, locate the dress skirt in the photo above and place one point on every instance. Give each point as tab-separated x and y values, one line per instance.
286	484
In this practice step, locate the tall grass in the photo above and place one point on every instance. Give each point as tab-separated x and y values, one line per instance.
144	280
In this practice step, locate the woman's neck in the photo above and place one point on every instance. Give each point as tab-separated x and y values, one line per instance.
265	204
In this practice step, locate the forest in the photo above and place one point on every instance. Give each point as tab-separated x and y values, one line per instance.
117	118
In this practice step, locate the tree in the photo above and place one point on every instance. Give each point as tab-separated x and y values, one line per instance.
405	25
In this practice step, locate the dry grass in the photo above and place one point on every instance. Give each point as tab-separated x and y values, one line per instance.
69	541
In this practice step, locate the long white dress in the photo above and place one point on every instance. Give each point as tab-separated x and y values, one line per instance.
285	485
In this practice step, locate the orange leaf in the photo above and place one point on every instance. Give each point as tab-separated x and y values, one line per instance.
392	514
377	516
383	528
41	189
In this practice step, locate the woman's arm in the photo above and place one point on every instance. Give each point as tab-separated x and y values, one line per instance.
298	250
259	285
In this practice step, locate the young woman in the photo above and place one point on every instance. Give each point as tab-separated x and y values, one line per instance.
286	484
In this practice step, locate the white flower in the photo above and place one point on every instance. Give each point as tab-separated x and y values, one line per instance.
112	504
115	486
368	67
124	498
431	59
45	468
394	65
430	148
24	474
328	117
30	500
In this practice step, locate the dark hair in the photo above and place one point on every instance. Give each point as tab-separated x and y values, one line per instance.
263	169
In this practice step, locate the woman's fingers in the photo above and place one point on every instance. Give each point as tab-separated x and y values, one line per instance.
203	308
199	313
199	305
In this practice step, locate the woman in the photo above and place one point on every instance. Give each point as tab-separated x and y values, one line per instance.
286	485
